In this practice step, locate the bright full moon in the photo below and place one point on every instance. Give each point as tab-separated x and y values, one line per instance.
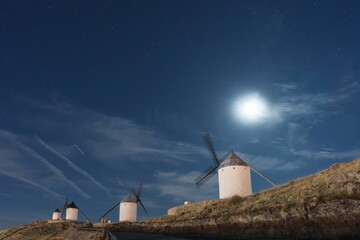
251	108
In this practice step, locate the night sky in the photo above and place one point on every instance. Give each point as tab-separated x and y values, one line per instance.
135	84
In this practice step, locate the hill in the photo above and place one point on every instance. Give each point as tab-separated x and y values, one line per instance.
52	230
325	205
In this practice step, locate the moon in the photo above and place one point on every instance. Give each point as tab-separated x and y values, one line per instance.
252	108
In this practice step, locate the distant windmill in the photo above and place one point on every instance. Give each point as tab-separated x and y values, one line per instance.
234	173
128	206
72	211
56	215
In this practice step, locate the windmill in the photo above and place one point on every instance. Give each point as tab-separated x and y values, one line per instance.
72	211
56	215
128	205
233	172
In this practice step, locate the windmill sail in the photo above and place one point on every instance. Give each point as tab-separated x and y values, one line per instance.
267	179
210	146
142	205
211	170
137	194
205	176
84	215
109	210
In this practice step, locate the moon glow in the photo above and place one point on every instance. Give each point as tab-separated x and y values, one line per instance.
251	108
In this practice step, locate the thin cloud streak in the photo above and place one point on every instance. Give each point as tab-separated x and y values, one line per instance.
54	169
27	180
286	87
296	105
319	104
120	138
12	169
72	165
110	138
12	138
326	154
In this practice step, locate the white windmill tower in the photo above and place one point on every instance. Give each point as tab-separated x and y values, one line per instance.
233	172
72	212
128	206
56	215
128	209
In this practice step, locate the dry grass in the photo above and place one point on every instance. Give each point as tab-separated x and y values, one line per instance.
321	186
52	230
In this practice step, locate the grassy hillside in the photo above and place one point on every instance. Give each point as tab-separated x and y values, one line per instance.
51	230
340	181
325	205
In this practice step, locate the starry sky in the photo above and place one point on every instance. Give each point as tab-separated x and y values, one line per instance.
98	93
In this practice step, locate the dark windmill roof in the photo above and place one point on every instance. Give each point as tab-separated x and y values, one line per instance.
71	205
57	210
232	160
128	198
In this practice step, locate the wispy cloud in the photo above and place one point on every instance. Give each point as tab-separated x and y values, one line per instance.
294	105
169	121
181	186
112	138
28	179
34	155
6	195
254	140
54	169
72	165
123	138
286	87
12	169
327	154
119	143
305	104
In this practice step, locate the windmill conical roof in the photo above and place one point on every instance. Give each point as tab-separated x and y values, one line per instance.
232	160
129	198
57	210
71	205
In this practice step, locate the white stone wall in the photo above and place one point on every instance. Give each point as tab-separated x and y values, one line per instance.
72	214
128	212
56	216
234	180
